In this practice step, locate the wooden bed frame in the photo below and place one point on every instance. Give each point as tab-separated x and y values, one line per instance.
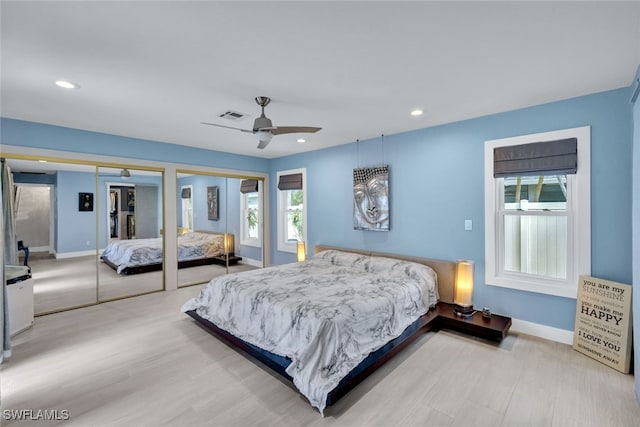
446	274
220	260
181	264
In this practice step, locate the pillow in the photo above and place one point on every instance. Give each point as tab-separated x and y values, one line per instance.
383	266
344	259
421	273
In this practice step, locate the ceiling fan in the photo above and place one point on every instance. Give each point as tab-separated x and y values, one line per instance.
264	130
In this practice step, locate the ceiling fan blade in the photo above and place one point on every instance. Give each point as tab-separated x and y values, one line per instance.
293	129
228	127
262	144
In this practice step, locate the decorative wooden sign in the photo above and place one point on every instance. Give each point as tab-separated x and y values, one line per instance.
603	322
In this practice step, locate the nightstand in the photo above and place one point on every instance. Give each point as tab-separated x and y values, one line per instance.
494	328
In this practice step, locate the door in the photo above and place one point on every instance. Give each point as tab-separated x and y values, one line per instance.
146	212
33	216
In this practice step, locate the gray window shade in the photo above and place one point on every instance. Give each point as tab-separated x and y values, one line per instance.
249	186
290	182
186	193
539	158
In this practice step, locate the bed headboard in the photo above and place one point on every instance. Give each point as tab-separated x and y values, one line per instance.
446	270
230	238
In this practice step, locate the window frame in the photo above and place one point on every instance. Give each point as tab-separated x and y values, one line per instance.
578	219
183	209
245	240
282	222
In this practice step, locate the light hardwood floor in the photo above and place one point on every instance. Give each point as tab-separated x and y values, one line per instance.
141	362
71	282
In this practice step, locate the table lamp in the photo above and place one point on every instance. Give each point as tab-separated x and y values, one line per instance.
463	290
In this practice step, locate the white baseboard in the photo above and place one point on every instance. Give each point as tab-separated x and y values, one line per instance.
74	254
33	249
542	331
253	262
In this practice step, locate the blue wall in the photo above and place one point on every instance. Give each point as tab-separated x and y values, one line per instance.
76	231
228	202
228	205
437	181
102	207
74	228
38	135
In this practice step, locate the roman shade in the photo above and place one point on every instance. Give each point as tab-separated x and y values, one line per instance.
186	193
290	182
558	157
249	186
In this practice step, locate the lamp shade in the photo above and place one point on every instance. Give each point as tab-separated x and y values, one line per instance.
463	291
302	251
227	243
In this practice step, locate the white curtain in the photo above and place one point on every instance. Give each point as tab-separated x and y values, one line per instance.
9	251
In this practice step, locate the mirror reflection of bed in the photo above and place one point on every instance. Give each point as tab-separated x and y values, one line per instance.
138	207
60	227
64	253
215	206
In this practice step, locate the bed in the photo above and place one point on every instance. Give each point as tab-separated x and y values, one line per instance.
143	255
326	323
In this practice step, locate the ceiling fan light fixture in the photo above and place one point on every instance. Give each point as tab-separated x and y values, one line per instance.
263	128
264	135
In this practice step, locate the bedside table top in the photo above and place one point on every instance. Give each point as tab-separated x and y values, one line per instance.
495	327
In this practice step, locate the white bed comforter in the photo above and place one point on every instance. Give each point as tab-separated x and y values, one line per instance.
326	314
137	252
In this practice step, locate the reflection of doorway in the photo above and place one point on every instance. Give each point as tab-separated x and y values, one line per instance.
34	216
118	210
114	208
132	211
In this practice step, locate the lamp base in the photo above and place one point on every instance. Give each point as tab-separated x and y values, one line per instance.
463	311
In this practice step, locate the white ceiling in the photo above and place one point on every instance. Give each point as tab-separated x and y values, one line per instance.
155	70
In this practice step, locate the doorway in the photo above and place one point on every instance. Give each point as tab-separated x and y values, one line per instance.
121	211
34	217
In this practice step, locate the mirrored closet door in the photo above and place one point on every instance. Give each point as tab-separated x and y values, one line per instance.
130	236
55	211
211	212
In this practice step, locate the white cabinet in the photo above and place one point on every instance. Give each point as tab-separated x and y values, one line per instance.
19	298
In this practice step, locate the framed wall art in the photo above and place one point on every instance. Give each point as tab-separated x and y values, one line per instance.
371	198
212	203
85	202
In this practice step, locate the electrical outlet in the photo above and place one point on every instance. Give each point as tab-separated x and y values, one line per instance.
468	224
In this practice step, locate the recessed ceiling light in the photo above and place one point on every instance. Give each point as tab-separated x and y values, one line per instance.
416	112
42	161
301	140
67	85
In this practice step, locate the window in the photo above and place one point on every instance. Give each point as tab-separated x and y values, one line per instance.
186	195
292	214
538	218
251	213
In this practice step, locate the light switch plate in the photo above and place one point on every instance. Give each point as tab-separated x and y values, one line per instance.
468	224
